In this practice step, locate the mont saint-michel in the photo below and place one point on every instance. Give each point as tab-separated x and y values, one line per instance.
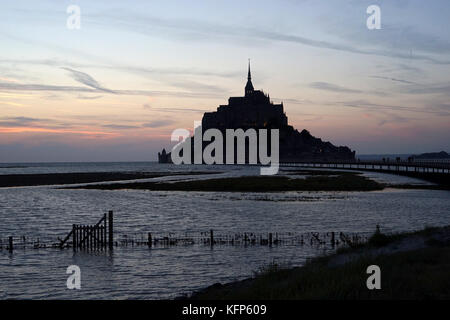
256	111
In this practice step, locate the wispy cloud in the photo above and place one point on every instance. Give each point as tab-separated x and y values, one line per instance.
120	126
173	109
367	105
195	29
83	97
43	87
393	79
17	121
158	123
87	80
76	89
428	89
395	43
144	71
332	87
29	122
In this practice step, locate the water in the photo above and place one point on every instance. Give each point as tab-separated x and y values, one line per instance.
141	273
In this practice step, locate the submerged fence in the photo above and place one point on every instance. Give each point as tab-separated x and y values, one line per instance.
210	238
96	236
101	237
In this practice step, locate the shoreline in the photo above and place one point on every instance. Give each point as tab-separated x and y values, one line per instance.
414	265
43	179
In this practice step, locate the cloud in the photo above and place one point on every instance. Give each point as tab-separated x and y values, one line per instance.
393	118
442	106
435	108
56	88
172	109
196	86
399	38
87	80
293	101
393	79
332	87
149	71
394	42
42	87
17	121
430	89
326	86
407	67
11	122
120	126
82	97
158	123
362	104
138	70
193	29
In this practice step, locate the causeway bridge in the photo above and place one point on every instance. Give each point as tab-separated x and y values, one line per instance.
428	167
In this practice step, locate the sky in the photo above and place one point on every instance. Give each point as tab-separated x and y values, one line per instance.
116	88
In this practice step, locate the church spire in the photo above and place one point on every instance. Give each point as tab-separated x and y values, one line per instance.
249	86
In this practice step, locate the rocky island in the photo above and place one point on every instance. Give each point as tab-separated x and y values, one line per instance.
256	111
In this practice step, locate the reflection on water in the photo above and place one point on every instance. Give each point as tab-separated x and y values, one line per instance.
168	272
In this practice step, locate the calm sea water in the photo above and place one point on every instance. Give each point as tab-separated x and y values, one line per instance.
141	273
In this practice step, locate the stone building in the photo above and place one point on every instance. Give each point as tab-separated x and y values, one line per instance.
253	110
164	157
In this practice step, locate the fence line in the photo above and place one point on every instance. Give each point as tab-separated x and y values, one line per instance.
88	238
101	237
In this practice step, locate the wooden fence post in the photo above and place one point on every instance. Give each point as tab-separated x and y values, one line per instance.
211	237
110	231
10	240
74	238
94	237
101	236
149	240
270	239
91	236
98	236
104	234
84	236
80	235
104	231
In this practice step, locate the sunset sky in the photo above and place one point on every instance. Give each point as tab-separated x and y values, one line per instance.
115	89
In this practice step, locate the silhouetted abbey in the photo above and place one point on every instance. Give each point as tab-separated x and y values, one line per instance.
164	157
255	110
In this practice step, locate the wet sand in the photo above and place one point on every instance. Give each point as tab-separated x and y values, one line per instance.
22	180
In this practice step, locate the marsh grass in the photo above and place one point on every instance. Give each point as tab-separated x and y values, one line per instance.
416	274
345	182
271	268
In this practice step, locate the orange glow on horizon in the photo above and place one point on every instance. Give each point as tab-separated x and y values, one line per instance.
27	129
